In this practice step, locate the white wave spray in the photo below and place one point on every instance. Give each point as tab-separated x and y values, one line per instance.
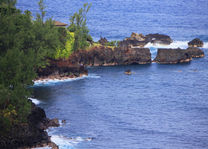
174	45
55	81
35	101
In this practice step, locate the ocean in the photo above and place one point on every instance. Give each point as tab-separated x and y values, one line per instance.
158	106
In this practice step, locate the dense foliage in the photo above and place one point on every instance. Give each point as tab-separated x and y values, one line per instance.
65	51
78	26
24	47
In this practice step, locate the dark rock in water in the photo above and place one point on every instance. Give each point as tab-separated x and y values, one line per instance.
136	36
53	123
132	56
104	56
63	121
172	56
125	44
103	41
139	40
29	134
159	39
195	52
128	72
61	69
196	43
136	40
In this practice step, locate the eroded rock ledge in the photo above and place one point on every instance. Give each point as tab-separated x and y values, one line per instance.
174	56
104	56
61	69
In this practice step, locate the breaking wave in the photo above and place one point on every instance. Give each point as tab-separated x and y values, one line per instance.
67	143
46	82
35	101
176	44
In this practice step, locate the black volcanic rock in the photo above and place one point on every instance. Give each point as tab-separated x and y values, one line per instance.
136	40
139	40
60	69
104	56
196	43
159	39
125	44
132	56
195	52
172	56
29	134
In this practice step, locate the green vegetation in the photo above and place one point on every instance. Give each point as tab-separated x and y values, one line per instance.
67	50
82	38
111	44
25	46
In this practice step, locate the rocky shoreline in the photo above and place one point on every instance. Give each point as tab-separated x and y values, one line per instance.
32	133
61	70
130	51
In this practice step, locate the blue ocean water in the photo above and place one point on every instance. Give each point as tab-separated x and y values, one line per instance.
158	106
116	19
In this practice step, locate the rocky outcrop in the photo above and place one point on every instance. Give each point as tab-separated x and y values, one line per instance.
103	41
104	56
196	43
61	69
136	40
125	44
172	56
158	39
139	40
195	52
29	134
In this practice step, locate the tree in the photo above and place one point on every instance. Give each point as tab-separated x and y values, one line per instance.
25	46
16	66
42	10
78	26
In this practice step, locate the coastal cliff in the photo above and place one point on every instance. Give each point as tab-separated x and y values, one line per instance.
61	69
174	56
31	133
104	56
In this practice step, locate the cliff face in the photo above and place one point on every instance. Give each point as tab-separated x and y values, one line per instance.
60	69
172	56
103	56
29	134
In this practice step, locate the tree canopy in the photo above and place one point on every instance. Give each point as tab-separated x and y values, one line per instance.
25	45
78	25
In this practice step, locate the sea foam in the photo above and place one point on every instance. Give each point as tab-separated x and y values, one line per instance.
67	143
35	101
173	45
46	82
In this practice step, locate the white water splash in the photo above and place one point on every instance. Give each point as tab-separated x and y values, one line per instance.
67	143
173	45
35	101
55	81
205	45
